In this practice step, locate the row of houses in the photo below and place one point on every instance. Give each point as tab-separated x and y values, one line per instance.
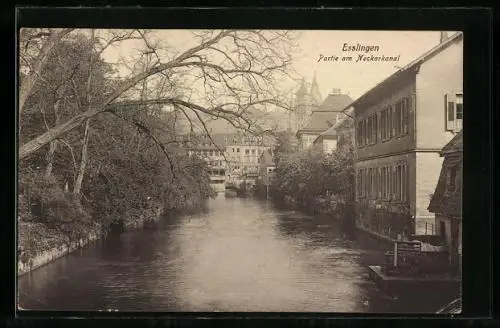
232	158
407	132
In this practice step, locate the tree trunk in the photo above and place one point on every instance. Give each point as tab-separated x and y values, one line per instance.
53	144
50	158
83	163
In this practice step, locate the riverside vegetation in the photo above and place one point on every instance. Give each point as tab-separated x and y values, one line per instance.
312	179
99	139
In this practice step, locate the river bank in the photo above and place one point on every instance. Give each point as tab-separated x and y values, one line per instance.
38	244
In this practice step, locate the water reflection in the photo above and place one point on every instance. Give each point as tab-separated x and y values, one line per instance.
235	255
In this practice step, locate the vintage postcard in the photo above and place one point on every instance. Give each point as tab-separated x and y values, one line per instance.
240	170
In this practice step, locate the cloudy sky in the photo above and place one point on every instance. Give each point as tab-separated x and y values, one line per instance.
353	78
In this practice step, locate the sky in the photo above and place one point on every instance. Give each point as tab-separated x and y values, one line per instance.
353	78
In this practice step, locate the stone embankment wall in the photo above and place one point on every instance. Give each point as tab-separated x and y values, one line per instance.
55	253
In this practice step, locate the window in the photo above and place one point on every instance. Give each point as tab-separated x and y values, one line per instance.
247	151
454	111
392	183
397	118
452	176
360	134
399	175
237	150
358	183
383	124
406	111
374	123
379	183
365	132
253	151
389	120
371	191
442	229
367	192
382	182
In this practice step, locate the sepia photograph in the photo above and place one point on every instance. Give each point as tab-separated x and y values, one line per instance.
184	170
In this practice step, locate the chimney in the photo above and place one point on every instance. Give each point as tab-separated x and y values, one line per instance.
443	37
335	91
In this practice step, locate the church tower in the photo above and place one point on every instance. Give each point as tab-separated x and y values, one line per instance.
302	105
315	94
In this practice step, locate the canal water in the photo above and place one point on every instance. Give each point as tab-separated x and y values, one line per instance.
236	255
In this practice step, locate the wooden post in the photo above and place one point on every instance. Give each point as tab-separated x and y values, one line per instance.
395	254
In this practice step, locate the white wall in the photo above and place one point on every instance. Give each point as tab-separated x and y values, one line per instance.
439	75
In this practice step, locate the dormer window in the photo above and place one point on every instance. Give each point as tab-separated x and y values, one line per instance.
451	179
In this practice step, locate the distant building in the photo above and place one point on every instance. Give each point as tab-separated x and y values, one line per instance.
307	98
243	152
212	151
446	202
401	126
322	118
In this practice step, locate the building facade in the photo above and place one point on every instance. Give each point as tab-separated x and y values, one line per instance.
212	151
446	202
243	154
401	126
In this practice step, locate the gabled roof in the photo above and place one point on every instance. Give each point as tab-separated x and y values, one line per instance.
319	121
326	115
455	145
335	103
409	68
330	133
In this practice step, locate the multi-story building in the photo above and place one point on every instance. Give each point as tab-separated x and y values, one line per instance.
401	125
243	152
212	150
322	118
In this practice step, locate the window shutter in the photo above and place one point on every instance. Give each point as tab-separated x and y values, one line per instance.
379	126
459	111
393	121
389	182
450	111
394	182
405	114
379	182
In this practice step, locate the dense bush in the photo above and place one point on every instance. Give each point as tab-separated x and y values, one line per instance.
311	174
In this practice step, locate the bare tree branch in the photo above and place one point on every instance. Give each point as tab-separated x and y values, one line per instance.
39	63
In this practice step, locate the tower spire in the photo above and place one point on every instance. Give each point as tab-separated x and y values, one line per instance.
315	94
302	90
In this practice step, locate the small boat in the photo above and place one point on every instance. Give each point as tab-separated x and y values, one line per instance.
231	193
